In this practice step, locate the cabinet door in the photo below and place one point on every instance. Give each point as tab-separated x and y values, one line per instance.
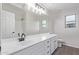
53	44
47	47
37	49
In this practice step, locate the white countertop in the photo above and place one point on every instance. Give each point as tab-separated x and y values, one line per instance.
9	46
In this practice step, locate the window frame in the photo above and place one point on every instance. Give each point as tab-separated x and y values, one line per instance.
44	24
66	21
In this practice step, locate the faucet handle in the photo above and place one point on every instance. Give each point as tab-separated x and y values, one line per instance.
13	32
19	34
23	35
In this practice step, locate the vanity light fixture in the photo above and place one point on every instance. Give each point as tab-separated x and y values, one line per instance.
36	8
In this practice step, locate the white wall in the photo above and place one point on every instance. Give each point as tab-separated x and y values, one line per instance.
51	21
70	36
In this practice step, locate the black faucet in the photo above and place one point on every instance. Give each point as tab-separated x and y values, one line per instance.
21	36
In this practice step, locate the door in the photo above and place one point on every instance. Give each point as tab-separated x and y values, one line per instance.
52	45
7	24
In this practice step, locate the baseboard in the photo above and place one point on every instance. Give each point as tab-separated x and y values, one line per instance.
72	45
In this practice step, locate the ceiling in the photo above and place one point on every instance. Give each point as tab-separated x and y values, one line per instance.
19	5
55	6
60	6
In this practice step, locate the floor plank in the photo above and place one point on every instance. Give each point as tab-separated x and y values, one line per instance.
66	50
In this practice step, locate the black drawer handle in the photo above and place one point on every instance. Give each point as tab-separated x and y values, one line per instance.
48	46
47	52
47	41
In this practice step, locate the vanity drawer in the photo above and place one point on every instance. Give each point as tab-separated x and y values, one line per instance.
47	42
47	47
47	51
53	44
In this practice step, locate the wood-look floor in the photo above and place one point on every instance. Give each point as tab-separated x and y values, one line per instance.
66	50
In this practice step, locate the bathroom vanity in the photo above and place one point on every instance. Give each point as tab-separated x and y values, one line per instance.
40	44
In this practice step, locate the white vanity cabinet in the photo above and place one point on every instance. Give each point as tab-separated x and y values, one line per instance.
46	47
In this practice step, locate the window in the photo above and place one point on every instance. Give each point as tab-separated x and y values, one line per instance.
44	23
70	21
